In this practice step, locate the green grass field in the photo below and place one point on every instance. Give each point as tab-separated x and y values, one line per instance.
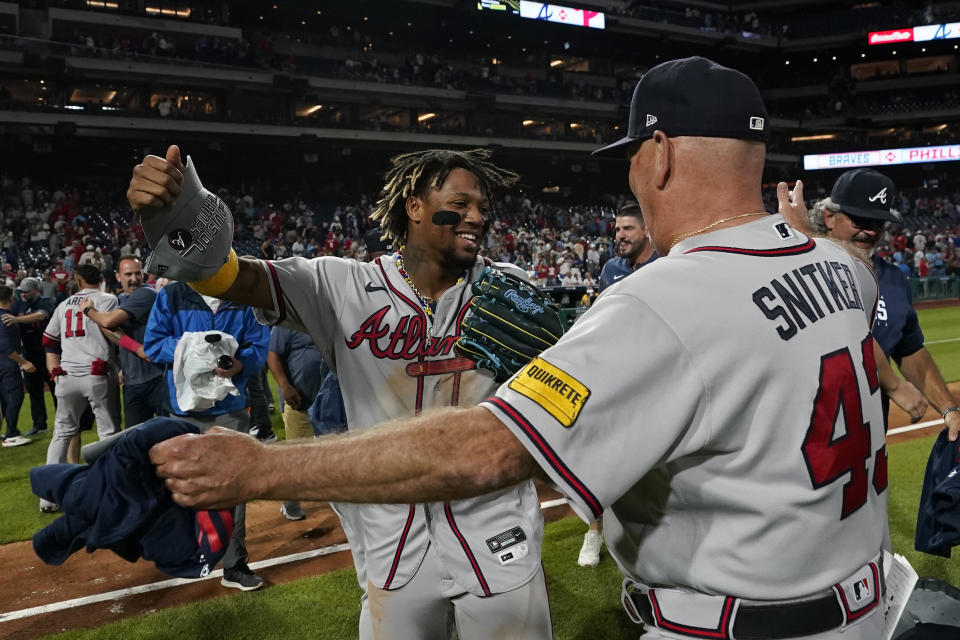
584	602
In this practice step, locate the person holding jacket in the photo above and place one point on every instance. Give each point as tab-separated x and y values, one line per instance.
177	310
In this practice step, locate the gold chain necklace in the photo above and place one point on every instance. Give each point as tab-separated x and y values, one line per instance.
426	302
683	236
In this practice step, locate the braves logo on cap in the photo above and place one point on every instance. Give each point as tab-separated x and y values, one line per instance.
880	195
179	239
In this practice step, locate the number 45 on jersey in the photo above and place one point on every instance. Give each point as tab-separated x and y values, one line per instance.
829	458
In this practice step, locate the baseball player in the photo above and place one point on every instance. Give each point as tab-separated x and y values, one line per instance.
860	203
387	328
144	391
32	312
633	244
735	448
83	362
12	366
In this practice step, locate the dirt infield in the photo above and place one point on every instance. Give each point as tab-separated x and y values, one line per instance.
269	535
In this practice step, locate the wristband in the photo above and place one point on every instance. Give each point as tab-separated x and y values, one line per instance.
222	280
129	344
86	311
948	410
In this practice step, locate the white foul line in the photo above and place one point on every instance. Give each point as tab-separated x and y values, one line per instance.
176	582
941	341
914	427
163	584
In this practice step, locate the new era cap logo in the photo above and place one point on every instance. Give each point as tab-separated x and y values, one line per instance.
651	119
756	123
880	195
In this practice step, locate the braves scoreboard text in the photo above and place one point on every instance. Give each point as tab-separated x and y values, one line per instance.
881	157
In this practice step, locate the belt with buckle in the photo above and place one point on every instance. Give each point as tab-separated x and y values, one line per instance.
757	622
731	617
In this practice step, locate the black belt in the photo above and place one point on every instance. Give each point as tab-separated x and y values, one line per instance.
766	622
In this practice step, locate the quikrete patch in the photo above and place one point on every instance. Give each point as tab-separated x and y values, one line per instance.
559	393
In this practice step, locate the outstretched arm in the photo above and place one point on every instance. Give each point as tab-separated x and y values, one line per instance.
156	183
449	454
903	393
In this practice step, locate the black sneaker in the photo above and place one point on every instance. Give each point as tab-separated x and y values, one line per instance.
241	577
292	511
264	433
35	431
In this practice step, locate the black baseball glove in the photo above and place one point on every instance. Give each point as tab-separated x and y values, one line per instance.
511	323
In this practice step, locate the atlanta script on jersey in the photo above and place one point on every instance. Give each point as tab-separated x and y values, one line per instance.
394	360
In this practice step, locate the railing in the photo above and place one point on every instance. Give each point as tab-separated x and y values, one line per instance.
934	288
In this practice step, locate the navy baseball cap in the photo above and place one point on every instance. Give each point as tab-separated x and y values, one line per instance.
374	243
865	193
694	97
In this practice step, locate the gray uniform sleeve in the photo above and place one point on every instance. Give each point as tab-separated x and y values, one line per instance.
309	296
616	397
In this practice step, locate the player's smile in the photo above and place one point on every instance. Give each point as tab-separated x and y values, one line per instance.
470	239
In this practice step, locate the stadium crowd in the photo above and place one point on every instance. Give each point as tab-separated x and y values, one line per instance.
46	231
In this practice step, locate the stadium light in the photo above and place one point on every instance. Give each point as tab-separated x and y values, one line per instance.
821	136
423	117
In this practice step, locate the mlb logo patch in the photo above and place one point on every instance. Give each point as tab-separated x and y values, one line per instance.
651	119
756	123
861	590
783	230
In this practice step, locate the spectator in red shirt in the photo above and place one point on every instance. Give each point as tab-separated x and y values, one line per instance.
61	277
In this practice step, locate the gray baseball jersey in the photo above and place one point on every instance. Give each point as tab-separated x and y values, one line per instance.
392	361
730	427
90	361
80	339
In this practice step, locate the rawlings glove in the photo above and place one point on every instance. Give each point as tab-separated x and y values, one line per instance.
191	239
511	323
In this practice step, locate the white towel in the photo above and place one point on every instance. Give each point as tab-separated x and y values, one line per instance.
194	360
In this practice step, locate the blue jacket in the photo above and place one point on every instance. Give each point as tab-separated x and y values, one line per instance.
119	503
938	519
179	309
327	413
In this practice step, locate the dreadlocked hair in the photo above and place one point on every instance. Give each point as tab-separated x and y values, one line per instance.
414	174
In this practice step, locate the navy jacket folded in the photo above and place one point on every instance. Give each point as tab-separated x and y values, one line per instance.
119	503
938	519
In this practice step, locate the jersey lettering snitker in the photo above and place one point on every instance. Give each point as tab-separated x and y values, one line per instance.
722	405
393	361
80	339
